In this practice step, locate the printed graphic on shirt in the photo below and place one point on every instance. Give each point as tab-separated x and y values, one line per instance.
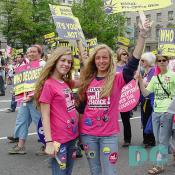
70	102
94	100
159	92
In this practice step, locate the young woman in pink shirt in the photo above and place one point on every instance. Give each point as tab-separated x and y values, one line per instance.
101	89
55	99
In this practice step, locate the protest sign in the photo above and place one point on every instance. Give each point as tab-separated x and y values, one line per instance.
166	42
91	44
25	80
49	35
123	41
116	6
58	10
76	64
129	96
67	26
51	38
74	49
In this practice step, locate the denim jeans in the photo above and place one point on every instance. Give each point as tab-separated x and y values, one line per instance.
2	87
25	116
162	128
65	159
125	116
102	153
13	103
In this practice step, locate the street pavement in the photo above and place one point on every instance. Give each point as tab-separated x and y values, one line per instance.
30	164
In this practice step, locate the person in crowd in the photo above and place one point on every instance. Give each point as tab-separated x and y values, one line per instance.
122	59
163	87
20	61
100	90
55	98
2	75
27	111
147	62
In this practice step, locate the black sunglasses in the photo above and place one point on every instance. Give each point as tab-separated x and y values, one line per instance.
124	54
161	60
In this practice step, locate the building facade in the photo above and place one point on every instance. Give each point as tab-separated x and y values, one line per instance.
162	18
66	2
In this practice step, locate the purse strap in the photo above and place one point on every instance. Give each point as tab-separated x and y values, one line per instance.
168	94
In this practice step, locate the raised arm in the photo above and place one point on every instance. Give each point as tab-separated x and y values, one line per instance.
82	53
143	34
131	66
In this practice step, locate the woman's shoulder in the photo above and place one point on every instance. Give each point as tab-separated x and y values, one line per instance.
49	82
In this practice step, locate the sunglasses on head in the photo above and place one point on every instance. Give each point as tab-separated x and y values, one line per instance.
164	60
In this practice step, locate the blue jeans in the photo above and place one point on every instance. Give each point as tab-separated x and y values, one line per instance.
102	153
65	159
25	116
2	87
162	128
13	103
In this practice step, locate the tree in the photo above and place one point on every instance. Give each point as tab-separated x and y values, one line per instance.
96	23
26	21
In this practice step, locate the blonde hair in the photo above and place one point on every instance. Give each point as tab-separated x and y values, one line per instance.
119	53
90	72
49	69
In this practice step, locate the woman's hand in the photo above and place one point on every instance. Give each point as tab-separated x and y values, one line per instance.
50	149
27	99
145	28
137	75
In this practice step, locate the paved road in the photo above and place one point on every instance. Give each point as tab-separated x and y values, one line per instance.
30	164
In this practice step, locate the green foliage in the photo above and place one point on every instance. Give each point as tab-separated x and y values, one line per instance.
96	23
26	21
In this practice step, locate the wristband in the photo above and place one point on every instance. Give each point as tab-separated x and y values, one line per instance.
48	141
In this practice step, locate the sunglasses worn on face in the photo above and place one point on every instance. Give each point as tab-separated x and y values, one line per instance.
161	60
124	54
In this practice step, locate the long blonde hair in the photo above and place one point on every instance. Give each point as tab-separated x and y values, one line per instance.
89	72
49	69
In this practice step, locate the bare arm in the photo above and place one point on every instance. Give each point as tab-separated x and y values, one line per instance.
82	53
141	38
45	111
144	91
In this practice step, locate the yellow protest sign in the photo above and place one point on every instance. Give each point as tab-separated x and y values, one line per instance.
58	10
91	43
166	43
123	41
116	6
51	39
154	52
25	80
76	64
49	35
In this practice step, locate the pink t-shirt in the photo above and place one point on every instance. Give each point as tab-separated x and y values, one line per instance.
100	117
63	116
